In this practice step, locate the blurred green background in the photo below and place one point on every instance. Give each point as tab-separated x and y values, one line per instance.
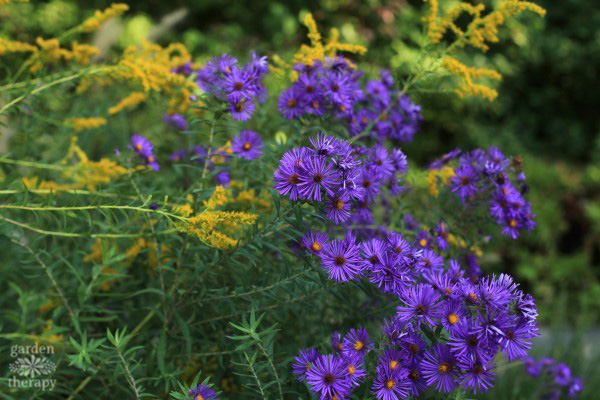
547	110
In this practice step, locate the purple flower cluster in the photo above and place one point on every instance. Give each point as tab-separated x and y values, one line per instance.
482	174
346	178
143	146
203	392
237	85
557	375
177	121
334	88
473	319
334	376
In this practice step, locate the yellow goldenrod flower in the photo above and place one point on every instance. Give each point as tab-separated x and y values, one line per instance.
81	124
130	101
81	53
219	198
13	46
435	177
467	74
100	17
48	306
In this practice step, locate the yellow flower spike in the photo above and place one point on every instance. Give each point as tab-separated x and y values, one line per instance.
219	198
93	23
82	53
467	74
13	46
81	124
130	101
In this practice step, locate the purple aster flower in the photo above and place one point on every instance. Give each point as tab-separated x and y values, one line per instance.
399	161
467	341
429	262
176	120
423	240
317	174
389	274
562	374
185	69
290	103
393	358
453	313
421	303
443	160
241	108
442	233
303	362
336	342
237	84
141	145
516	341
355	369
410	222
370	182
357	343
416	379
247	145
222	177
203	392
395	330
415	347
314	241
575	387
477	375
338	207
463	183
381	161
337	87
389	384
439	368
309	86
328	377
386	78
341	259
532	366
178	155
324	145
287	180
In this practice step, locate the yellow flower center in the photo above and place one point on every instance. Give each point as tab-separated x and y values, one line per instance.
150	158
423	242
390	384
351	369
358	345
247	146
444	368
316	246
393	364
339	204
512	223
138	146
453	319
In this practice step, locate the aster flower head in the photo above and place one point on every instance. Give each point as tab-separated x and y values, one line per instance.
317	174
141	145
238	84
420	303
439	368
532	367
303	361
395	330
463	182
338	207
393	358
328	377
203	392
381	161
477	374
178	155
355	369
575	387
241	107
177	121
341	259
314	241
562	374
429	262
416	380
247	145
390	384
291	103
452	314
357	343
389	274
467	341
516	341
324	145
414	345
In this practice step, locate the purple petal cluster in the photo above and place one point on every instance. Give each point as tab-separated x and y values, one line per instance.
346	179
489	176
234	84
247	145
142	145
203	392
556	377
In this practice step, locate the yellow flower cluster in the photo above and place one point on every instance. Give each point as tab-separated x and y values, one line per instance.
35	183
13	46
100	17
435	177
130	101
481	30
88	173
317	50
81	124
467	75
49	51
216	227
